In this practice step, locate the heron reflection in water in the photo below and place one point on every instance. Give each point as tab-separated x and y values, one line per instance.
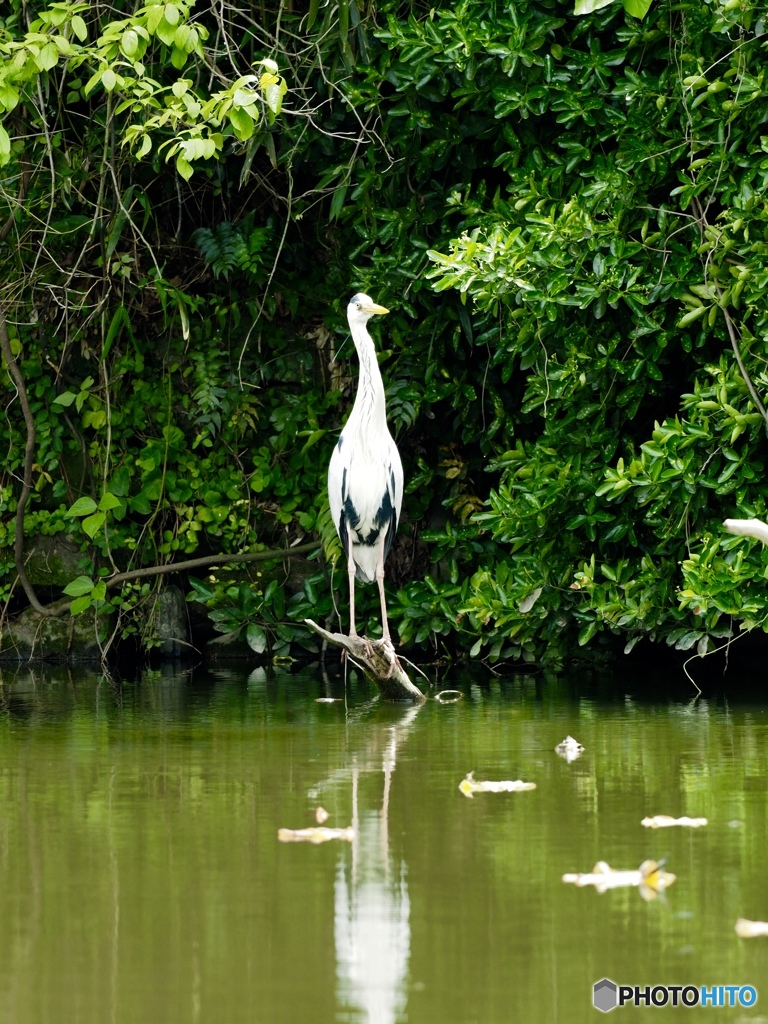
372	908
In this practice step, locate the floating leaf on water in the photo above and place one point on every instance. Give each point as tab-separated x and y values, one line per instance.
666	821
469	786
650	877
570	749
751	929
321	815
317	834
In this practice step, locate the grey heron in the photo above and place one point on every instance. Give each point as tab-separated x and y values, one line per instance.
365	476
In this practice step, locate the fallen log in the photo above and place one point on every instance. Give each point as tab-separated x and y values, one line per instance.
377	658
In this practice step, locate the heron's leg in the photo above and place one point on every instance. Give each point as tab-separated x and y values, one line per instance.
351	574
380	581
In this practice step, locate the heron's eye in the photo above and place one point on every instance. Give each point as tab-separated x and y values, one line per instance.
359	305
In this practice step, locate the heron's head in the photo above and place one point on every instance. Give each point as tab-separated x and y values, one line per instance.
362	307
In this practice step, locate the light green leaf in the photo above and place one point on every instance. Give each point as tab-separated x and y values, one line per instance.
92	82
79	28
154	17
637	8
108	501
9	96
274	93
94	523
95	418
180	37
79	586
241	122
165	32
590	6
82	507
243	98
184	167
63	46
313	438
66	398
48	57
257	638
80	604
693	315
129	43
109	79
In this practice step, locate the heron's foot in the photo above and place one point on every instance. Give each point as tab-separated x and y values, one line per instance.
368	645
386	645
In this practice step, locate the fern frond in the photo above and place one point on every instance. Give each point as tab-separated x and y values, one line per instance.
221	248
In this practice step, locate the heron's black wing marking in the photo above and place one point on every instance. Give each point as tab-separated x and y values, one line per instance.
385	518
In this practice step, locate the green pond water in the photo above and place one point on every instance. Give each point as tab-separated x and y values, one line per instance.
142	879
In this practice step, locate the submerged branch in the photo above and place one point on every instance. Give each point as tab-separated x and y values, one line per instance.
378	660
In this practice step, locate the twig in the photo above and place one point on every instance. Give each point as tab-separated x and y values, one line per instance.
742	368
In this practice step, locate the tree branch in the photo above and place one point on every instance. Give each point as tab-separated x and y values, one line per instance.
273	555
378	660
205	560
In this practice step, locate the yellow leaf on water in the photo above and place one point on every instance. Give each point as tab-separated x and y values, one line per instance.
469	786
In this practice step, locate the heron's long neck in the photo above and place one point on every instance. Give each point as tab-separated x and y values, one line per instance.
369	407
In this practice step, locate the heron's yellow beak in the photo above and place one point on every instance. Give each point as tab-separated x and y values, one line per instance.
375	308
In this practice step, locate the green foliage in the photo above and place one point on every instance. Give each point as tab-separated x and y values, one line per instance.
618	256
563	211
120	61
